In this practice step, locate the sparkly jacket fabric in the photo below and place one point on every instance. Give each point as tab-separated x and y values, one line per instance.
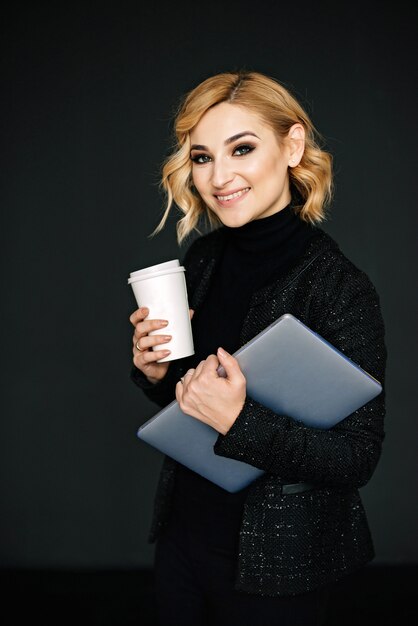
290	544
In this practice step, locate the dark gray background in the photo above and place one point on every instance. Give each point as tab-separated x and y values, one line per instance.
88	94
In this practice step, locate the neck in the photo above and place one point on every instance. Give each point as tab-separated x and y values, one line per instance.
266	234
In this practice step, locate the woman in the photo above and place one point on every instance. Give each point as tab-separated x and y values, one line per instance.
247	158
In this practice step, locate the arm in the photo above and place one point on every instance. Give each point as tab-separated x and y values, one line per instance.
346	454
163	391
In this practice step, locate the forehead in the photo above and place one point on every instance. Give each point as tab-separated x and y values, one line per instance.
225	120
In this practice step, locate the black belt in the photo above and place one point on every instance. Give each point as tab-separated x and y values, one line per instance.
296	488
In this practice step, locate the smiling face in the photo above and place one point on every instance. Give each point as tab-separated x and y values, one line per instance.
239	168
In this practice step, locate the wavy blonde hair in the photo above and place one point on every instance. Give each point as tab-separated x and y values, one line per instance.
279	110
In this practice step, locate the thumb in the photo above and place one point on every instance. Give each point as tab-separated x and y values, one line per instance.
229	363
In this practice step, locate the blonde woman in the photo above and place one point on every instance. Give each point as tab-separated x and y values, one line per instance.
249	160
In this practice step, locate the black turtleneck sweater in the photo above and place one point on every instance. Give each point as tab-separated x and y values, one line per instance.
253	256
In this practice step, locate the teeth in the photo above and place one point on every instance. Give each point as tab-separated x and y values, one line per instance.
234	195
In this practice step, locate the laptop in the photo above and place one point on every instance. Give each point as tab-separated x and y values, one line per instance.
290	369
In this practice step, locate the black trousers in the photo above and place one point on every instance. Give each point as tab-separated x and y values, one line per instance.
194	582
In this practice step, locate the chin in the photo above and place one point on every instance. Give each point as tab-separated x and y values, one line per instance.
234	221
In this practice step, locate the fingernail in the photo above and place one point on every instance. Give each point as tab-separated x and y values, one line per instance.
164	323
222	352
166	352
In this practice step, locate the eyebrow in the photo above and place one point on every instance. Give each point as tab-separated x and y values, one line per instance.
196	146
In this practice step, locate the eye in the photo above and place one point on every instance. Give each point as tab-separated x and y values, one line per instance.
197	157
246	148
204	158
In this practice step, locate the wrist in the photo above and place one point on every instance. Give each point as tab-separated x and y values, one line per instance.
233	419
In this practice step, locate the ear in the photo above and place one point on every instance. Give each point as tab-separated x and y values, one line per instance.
296	142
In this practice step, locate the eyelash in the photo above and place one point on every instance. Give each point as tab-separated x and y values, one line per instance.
248	147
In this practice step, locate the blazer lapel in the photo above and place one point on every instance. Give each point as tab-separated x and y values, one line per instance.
198	291
315	248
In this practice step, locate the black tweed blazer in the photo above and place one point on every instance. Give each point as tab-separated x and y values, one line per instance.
291	544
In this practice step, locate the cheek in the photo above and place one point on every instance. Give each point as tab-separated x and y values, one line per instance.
200	177
271	181
252	171
261	170
276	172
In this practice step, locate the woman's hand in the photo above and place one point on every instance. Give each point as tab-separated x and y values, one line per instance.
210	398
145	358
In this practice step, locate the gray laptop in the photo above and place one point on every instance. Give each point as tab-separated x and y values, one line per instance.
291	370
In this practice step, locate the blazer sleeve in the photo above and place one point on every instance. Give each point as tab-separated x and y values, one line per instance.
163	392
346	454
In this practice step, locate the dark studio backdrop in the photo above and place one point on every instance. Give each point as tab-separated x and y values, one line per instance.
88	94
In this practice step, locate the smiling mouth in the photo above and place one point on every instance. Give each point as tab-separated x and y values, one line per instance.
232	196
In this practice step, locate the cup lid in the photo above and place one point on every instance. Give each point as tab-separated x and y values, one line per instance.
172	270
156	268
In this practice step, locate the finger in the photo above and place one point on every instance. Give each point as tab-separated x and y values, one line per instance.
138	315
179	391
149	341
191	313
149	356
187	377
199	368
137	346
230	365
211	364
145	327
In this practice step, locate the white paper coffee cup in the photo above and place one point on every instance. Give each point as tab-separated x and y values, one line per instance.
162	289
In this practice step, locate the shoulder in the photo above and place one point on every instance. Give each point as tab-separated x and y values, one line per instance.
335	288
342	291
204	247
199	262
333	266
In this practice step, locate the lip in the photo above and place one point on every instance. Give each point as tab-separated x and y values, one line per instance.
235	200
228	193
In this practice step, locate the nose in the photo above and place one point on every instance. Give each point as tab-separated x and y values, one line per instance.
222	173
